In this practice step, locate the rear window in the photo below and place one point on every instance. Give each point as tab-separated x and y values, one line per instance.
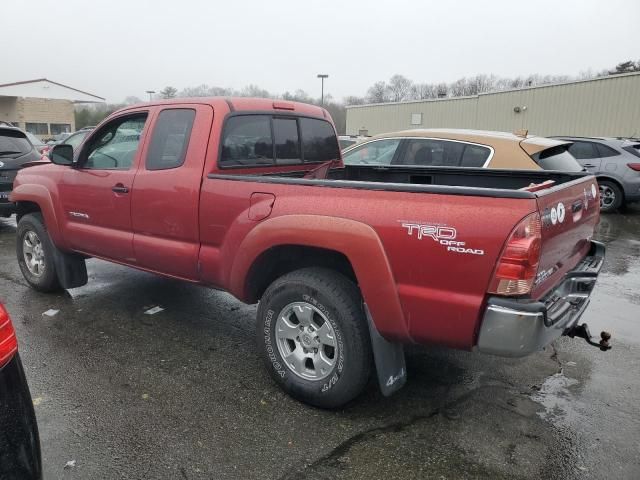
13	143
319	140
258	140
557	158
285	131
633	149
247	141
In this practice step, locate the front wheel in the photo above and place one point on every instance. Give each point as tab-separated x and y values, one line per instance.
35	253
314	338
611	196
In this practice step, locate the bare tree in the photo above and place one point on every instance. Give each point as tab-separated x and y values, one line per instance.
399	88
131	100
354	100
422	91
377	93
168	92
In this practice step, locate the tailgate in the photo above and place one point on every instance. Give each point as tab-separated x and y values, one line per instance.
569	214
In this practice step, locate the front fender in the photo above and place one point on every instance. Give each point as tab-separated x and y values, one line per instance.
357	241
41	196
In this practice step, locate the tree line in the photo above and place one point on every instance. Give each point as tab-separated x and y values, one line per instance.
397	89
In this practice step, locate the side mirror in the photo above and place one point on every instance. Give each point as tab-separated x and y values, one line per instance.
61	154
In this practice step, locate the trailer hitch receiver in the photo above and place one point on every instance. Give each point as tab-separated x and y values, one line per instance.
582	331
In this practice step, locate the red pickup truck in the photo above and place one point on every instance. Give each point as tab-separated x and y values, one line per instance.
347	263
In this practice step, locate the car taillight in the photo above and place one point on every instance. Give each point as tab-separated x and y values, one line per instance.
518	264
8	342
634	166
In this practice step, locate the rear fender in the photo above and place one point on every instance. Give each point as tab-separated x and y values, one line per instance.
355	240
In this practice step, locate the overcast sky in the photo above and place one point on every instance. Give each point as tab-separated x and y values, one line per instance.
118	48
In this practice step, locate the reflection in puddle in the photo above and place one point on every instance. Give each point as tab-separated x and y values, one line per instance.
557	399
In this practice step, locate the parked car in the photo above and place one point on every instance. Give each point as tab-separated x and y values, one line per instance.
19	442
616	164
38	144
15	151
443	147
346	141
250	196
76	138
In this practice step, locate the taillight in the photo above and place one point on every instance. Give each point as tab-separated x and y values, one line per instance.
518	264
8	342
634	166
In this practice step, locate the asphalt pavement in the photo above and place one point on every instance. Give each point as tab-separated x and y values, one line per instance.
182	394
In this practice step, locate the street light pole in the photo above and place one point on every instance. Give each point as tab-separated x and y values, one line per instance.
322	76
151	92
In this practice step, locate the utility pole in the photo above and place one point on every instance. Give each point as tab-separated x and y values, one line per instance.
322	76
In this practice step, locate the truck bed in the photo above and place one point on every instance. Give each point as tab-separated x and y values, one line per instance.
459	181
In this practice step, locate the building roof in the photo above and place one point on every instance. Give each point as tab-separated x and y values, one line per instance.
44	88
498	92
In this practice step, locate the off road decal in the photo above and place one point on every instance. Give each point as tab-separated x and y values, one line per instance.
267	340
340	365
442	234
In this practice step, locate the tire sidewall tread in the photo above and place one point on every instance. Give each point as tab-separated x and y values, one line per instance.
49	281
339	300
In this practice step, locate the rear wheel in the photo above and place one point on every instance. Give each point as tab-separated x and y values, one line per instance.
611	196
35	254
313	336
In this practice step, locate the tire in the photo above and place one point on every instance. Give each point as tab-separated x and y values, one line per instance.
611	196
35	253
328	377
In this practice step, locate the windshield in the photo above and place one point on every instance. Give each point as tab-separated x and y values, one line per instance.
14	143
345	143
35	141
557	158
76	139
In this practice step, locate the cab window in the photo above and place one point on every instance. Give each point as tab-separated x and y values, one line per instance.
247	141
115	145
170	139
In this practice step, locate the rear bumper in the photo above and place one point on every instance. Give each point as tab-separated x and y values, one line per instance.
6	207
515	328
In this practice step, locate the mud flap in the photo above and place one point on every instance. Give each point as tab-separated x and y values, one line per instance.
70	268
389	360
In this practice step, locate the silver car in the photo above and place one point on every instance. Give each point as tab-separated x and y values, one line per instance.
616	163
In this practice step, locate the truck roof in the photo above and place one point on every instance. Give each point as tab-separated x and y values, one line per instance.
243	104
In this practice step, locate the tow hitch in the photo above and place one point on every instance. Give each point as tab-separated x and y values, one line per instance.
582	331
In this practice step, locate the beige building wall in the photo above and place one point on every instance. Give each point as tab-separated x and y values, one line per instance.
608	106
37	110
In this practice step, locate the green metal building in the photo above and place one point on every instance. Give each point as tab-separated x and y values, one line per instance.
606	106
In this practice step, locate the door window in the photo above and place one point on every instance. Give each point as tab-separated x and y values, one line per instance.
170	139
433	153
378	152
475	156
604	151
115	145
583	150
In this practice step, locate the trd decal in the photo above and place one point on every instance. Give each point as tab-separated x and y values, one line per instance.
444	235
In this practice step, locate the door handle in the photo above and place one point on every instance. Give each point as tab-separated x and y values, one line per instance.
119	188
588	165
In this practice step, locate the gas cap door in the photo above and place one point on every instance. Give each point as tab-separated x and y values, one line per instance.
260	205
